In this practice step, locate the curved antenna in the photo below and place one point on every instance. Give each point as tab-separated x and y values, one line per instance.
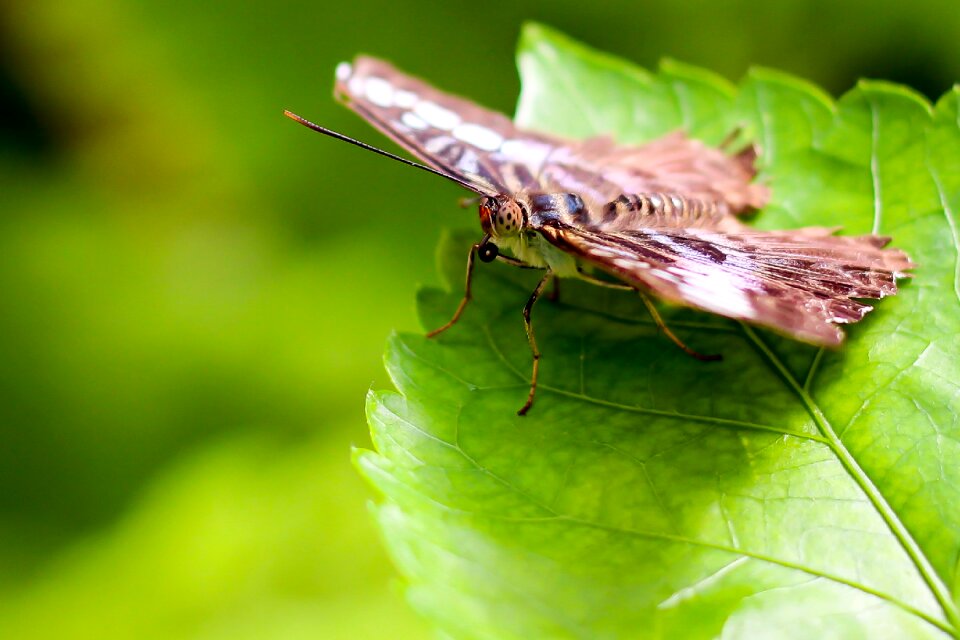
364	145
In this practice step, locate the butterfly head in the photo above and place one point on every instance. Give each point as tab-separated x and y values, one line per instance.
502	217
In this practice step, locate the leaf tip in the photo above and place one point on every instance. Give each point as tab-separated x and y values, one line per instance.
948	106
361	459
690	73
372	402
764	75
885	88
533	29
537	31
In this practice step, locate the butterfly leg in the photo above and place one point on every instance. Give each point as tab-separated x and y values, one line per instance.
555	291
653	314
586	277
466	294
670	334
730	139
528	325
513	262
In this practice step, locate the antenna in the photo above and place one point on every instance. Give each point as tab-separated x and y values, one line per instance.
364	145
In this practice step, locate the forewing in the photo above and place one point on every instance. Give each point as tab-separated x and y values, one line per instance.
485	149
454	135
800	282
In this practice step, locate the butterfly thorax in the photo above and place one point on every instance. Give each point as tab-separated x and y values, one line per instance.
505	216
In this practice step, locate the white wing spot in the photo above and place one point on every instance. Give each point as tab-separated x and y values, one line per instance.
603	253
526	152
478	136
413	121
436	144
344	70
379	91
355	86
404	99
713	289
468	162
669	277
436	116
717	291
625	263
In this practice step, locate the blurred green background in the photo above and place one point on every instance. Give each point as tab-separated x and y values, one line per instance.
196	291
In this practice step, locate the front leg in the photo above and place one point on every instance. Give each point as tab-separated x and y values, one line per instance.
490	251
528	325
466	295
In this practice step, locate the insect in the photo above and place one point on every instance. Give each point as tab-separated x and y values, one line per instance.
660	218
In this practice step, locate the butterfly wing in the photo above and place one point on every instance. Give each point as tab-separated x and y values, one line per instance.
485	148
800	282
454	135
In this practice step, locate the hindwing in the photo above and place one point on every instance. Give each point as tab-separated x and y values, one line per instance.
801	282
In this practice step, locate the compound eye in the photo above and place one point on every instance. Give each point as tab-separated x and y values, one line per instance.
488	252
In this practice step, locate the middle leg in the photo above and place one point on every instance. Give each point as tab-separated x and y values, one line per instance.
528	325
655	315
671	335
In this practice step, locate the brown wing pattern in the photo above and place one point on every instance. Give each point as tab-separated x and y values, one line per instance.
672	164
449	133
798	282
487	150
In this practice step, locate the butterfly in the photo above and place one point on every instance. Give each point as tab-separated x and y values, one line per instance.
660	218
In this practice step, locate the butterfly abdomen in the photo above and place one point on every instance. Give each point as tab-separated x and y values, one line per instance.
634	210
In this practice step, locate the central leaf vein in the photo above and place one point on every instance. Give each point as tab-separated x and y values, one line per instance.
873	493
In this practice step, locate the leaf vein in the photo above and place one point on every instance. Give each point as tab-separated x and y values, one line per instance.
875	166
555	516
954	231
860	477
675	415
764	558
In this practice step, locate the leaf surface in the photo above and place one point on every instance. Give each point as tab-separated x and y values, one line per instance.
784	491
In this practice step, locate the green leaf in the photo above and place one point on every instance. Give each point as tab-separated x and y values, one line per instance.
785	491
